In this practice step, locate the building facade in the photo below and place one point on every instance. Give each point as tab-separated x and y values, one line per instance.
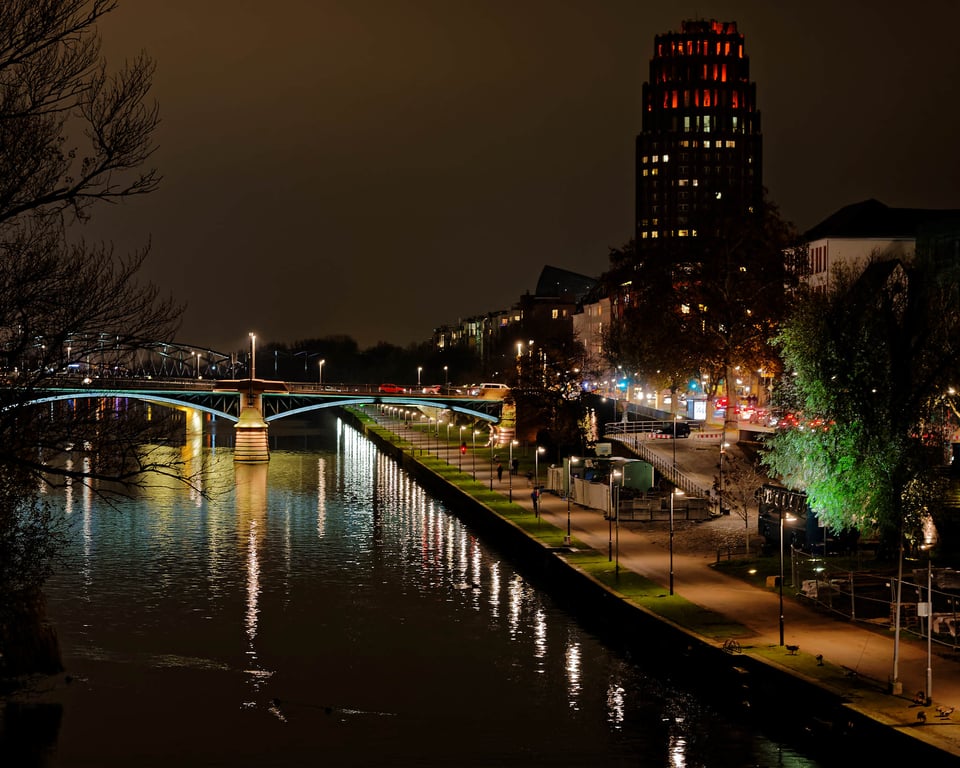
700	147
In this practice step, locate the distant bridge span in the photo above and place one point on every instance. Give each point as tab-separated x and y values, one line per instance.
225	399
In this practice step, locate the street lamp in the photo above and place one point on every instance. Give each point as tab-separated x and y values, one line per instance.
459	452
610	514
510	470
419	371
673	493
723	445
536	464
320	374
570	462
253	356
446	381
783	516
474	455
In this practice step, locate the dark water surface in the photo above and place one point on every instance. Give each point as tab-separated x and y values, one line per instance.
326	611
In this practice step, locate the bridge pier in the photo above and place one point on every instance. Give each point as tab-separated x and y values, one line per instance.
251	445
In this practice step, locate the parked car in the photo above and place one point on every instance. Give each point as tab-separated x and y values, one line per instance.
680	429
392	389
433	389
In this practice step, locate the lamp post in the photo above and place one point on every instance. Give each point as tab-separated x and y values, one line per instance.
536	464
723	445
783	516
446	381
610	514
320	373
510	473
459	452
419	371
673	493
570	462
474	455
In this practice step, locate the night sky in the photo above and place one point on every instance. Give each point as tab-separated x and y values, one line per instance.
377	168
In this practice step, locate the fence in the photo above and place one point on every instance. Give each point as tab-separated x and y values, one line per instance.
871	597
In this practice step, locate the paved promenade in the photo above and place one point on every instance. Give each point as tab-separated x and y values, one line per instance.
866	653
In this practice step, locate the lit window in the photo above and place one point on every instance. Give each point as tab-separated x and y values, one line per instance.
696	182
555	314
645	172
693	233
683	233
653	234
666	158
656	158
645	159
706	143
683	182
654	171
685	309
644	235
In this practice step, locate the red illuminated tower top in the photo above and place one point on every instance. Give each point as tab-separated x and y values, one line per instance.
700	147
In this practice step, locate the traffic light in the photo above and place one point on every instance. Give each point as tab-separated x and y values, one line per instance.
463	447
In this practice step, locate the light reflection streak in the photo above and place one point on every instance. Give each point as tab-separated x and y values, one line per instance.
251	510
540	637
516	604
616	704
495	590
677	750
574	669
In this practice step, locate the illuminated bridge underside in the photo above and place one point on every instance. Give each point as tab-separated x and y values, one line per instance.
226	405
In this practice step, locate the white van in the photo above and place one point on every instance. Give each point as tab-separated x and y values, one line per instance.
492	387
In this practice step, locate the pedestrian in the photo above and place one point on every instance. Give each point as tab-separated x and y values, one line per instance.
499	472
535	498
529	477
515	466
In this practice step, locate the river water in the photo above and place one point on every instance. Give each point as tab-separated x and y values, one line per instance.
324	610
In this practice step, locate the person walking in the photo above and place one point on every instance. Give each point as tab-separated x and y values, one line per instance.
499	472
535	498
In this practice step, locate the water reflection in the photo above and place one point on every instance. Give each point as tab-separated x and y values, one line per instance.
325	599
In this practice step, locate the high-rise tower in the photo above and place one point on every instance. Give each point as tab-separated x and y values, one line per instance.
699	153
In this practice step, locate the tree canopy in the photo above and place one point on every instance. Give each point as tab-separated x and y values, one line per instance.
712	306
73	134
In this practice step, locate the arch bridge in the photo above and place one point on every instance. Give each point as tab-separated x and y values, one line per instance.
253	403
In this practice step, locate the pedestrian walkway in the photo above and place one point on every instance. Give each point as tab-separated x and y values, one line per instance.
867	654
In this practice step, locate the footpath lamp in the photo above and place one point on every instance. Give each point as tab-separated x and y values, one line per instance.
460	452
536	464
474	455
611	506
673	493
783	516
320	374
419	371
510	471
570	462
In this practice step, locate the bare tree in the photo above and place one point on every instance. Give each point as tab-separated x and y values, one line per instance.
72	134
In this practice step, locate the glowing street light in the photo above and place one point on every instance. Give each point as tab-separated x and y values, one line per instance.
570	462
783	516
419	371
510	470
673	493
320	373
613	509
536	464
460	452
474	455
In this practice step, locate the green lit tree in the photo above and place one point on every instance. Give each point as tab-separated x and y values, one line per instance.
869	363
